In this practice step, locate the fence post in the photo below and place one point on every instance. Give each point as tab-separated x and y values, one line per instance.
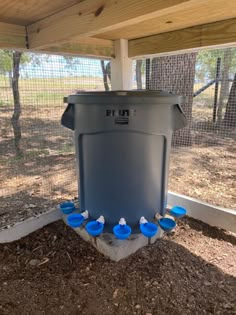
147	74
216	88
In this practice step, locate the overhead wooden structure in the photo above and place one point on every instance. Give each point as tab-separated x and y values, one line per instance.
90	27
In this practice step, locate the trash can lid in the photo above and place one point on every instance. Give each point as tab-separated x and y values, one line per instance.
131	97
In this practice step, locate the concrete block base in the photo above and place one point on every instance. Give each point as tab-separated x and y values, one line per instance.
110	246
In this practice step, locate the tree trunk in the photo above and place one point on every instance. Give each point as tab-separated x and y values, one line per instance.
17	105
139	74
176	74
230	112
108	70
10	78
105	75
224	90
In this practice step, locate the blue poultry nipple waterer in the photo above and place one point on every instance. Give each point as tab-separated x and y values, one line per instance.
122	231
148	229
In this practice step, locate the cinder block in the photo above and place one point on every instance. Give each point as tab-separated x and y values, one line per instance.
110	246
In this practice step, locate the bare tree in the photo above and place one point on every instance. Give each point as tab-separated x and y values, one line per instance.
227	58
108	70
16	57
106	75
230	112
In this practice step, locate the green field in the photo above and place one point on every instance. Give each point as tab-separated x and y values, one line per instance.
47	91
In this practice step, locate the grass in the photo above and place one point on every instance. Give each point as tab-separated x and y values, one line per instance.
47	90
51	90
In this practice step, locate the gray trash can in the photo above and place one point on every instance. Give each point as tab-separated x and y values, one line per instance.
123	141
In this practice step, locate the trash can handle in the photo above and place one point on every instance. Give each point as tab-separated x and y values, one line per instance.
68	117
180	119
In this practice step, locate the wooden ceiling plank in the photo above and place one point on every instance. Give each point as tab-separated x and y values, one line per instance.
25	12
199	13
92	17
203	36
12	36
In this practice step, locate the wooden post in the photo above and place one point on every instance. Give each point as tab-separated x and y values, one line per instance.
216	88
15	120
148	74
121	67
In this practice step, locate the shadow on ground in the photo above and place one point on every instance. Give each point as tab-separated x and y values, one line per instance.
209	231
37	134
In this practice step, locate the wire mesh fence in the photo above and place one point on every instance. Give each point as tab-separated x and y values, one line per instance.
42	173
203	154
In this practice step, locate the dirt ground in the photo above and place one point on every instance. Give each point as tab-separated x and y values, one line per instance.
205	173
53	271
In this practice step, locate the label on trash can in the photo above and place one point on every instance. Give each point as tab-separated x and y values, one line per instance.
120	112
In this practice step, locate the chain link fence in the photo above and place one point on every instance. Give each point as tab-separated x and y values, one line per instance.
38	164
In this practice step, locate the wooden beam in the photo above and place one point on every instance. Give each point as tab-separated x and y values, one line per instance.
23	228
203	36
205	212
88	47
91	17
12	36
